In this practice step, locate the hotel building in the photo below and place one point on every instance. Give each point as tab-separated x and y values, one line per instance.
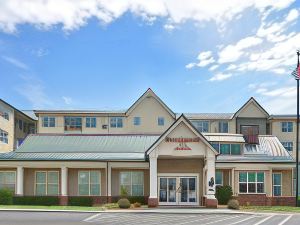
169	158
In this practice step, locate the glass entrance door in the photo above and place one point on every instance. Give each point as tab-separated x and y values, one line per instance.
177	190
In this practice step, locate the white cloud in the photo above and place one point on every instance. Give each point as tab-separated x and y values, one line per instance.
40	52
206	62
212	68
220	77
204	55
190	65
67	100
15	62
169	27
75	14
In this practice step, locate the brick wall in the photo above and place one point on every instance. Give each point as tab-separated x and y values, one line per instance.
263	200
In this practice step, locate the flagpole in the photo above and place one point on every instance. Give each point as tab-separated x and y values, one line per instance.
297	137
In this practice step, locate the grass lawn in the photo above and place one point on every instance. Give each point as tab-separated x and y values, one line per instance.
270	208
85	208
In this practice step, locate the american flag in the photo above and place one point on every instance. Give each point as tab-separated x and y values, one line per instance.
296	73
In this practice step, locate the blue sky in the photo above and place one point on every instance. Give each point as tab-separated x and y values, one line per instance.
202	56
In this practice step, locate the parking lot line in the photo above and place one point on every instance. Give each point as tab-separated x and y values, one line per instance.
285	220
227	218
91	217
264	220
196	220
248	218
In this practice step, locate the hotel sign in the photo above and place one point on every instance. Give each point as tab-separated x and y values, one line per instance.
182	142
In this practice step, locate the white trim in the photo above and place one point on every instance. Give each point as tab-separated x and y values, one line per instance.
45	171
12	171
264	183
280	173
178	176
89	172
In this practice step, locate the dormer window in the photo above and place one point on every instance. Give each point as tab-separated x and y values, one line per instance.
227	148
223	127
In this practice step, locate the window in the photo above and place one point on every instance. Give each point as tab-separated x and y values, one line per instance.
46	183
48	121
235	149
73	123
225	149
287	126
251	182
132	182
216	146
5	115
223	127
8	180
288	145
90	122
201	126
20	122
277	184
89	182
219	178
137	121
161	121
3	136
116	122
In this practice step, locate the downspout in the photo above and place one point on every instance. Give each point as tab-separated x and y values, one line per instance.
106	181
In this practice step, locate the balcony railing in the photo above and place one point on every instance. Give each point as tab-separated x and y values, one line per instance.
251	139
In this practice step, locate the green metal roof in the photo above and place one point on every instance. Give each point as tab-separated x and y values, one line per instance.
87	143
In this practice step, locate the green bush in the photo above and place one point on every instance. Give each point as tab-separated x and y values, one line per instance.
36	200
6	197
80	201
233	204
124	203
140	199
223	194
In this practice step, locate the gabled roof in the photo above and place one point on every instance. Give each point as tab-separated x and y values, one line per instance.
148	93
251	100
19	111
209	116
183	119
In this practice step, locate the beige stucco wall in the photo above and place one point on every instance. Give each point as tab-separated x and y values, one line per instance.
284	136
115	181
252	111
8	126
73	181
29	179
287	186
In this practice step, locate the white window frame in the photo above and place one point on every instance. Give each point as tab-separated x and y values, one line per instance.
285	127
286	145
161	121
90	184
247	172
131	172
46	184
273	185
4	136
88	122
221	125
113	122
5	115
48	118
219	148
137	121
11	171
199	125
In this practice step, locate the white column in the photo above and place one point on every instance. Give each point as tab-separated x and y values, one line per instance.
108	179
232	180
210	176
153	177
20	180
64	181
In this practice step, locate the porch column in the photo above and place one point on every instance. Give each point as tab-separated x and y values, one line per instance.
64	186
20	180
153	200
232	181
109	182
211	200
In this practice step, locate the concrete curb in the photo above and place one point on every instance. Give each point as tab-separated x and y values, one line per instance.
50	210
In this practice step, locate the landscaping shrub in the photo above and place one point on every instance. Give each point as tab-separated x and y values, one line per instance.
223	194
80	201
6	197
233	204
140	199
36	200
124	203
137	205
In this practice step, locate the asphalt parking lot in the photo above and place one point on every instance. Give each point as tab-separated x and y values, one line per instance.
66	218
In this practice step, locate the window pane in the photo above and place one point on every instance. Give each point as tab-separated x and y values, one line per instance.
137	190
260	188
243	177
53	177
95	189
83	189
125	178
52	189
243	187
40	189
225	148
83	177
41	177
260	177
276	179
251	187
219	178
251	177
215	146
127	188
95	177
10	177
235	149
137	177
277	190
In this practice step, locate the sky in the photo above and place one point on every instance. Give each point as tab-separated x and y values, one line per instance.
196	55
